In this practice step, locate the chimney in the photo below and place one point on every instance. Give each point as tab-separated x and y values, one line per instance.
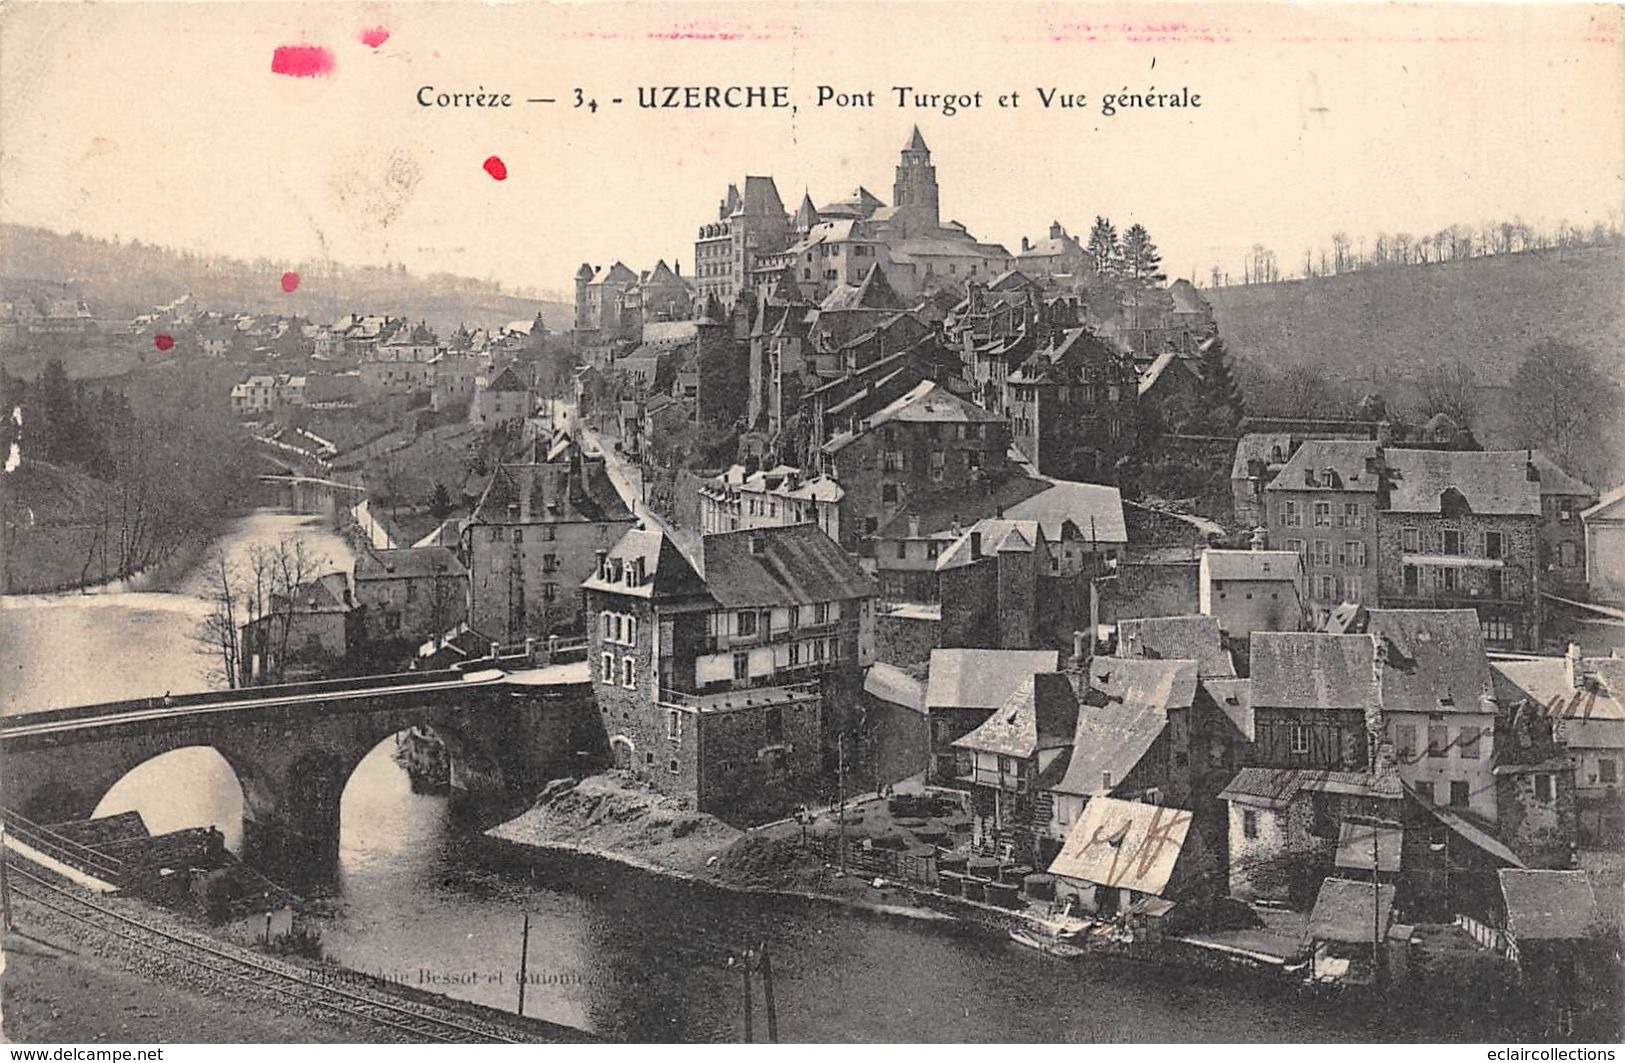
1572	660
975	544
602	566
1106	781
1026	244
913	526
1261	538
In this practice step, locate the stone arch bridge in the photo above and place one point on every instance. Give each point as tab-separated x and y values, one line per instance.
294	747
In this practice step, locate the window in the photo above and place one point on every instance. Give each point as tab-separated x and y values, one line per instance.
741	666
1451	541
629	672
973	459
1467	742
1438	740
820	613
605	620
1412	579
1300	738
1496	629
1289	514
1323	552
1323	514
549	533
1405	741
892	461
606	668
411	590
1353	588
1458	793
795	654
1326	587
1424	790
674	768
888	492
773	724
1354	554
1353	516
939	464
1494	585
674	725
1544	787
1565	553
1249	823
496	535
1451	579
932	549
1297	546
1607	771
1410	540
519	535
550	562
1492	544
745	626
902	550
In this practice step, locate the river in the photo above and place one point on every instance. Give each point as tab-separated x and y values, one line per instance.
623	954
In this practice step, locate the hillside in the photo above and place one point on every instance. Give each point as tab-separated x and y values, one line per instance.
121	280
1393	324
1385	330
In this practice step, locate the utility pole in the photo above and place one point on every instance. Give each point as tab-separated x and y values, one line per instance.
744	977
1376	904
524	958
767	994
5	882
840	796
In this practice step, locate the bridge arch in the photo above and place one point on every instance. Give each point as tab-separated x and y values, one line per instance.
190	786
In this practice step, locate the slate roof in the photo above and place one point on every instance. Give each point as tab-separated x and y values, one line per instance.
667	572
1125	843
1585	719
789	565
1303	669
544	494
1349	912
1283	565
1109	741
1492	481
982	679
1196	638
1549	905
890	683
1041	713
1345	457
1605	509
1163	685
1433	660
1234	698
1096	509
417	562
507	380
874	292
1276	787
1355	846
925	402
1554	481
996	537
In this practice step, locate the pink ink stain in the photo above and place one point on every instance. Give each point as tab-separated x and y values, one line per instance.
163	341
374	37
290	281
496	168
301	60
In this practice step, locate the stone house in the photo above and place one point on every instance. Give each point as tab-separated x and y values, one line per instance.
1562	533
1016	755
505	399
1286	826
533	538
740	499
415	593
1581	698
1312	698
721	678
1140	862
1260	457
1438	705
1074	407
316	623
988	581
963	688
1554	934
1323	505
1461	529
1253	590
927	441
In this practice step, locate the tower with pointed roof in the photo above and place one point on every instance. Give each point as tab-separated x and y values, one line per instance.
914	193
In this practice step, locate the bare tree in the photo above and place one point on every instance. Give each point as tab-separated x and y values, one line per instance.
219	636
1451	389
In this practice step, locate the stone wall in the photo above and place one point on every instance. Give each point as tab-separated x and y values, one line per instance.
906	639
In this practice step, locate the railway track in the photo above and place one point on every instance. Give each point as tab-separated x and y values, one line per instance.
419	1022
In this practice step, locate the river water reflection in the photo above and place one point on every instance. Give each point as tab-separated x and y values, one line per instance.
420	899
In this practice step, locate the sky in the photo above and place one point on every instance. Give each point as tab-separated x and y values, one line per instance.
166	123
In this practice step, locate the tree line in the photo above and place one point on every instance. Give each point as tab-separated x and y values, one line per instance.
1452	243
161	477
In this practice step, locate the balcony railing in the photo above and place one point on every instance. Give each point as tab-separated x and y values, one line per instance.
1002	780
707	702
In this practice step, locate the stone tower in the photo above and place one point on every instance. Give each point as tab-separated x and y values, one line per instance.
584	315
915	192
